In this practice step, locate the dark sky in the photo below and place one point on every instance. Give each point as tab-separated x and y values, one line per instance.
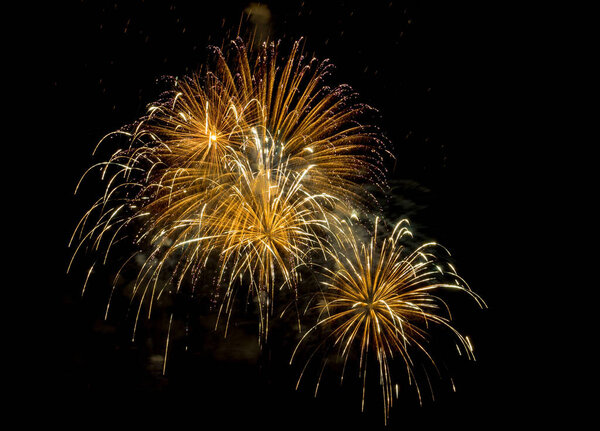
440	78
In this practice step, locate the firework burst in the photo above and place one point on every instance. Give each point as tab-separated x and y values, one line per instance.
382	299
240	163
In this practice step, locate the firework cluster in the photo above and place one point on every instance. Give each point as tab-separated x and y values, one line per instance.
251	173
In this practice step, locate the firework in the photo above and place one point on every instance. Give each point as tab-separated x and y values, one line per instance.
239	177
241	164
383	299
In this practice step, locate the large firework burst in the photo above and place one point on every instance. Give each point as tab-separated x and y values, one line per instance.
382	298
240	163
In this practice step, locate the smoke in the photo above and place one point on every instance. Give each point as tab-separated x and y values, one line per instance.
259	16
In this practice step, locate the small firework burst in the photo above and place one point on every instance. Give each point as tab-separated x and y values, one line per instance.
381	298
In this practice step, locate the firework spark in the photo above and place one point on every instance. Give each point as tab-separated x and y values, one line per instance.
241	163
381	298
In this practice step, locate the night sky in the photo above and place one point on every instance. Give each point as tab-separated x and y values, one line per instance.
438	77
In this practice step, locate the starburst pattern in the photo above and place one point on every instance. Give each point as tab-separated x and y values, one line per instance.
241	164
382	298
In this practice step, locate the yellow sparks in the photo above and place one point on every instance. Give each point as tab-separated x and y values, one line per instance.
243	164
381	299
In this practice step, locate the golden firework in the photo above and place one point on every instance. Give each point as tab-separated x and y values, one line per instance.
242	174
241	163
381	298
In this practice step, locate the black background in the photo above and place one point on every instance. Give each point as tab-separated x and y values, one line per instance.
443	80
